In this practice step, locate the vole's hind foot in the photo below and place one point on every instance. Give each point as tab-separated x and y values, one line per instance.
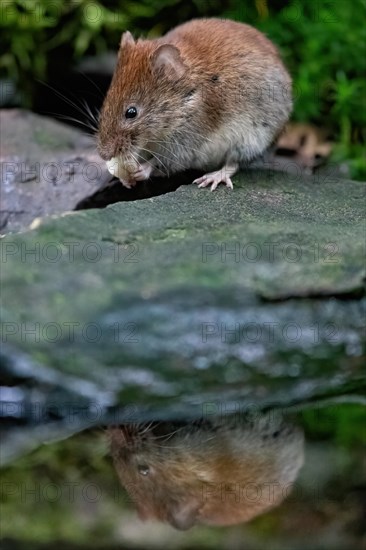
215	178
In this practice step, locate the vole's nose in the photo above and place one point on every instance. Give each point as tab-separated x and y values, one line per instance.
107	149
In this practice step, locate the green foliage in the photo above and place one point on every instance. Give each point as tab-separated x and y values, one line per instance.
33	29
345	425
322	42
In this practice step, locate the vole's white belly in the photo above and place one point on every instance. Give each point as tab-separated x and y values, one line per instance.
239	140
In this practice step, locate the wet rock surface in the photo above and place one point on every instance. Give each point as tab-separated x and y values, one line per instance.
46	168
160	306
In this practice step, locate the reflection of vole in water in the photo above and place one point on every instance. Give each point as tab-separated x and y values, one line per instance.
216	472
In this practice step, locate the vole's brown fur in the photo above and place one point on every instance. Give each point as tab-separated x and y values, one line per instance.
210	94
218	473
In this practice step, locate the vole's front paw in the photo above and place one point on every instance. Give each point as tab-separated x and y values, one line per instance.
214	179
143	172
128	184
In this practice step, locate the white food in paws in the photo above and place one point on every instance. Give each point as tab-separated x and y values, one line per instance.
119	169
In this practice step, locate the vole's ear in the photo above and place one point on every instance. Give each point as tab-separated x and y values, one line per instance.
183	516
167	57
126	40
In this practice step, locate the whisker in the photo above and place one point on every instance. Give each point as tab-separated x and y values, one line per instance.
166	148
178	145
145	428
163	168
196	134
134	158
69	102
89	111
92	82
151	153
72	119
162	156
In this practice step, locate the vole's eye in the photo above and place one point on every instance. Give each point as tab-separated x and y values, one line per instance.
143	469
131	112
